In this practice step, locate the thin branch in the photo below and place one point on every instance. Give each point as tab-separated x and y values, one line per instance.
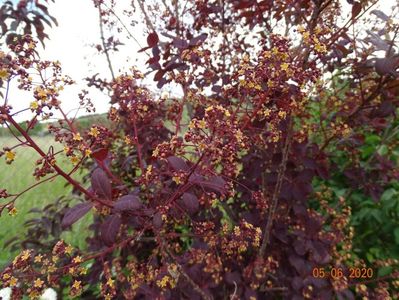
276	193
195	286
34	145
104	44
125	27
147	19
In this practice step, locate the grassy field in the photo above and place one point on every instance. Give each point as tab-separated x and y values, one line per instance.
17	177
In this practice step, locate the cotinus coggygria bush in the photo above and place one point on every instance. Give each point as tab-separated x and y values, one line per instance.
246	182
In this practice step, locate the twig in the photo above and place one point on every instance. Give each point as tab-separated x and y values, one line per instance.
125	27
276	193
33	144
104	44
147	19
195	286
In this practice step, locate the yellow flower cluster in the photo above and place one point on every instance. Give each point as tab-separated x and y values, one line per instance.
13	212
94	132
10	156
163	283
3	74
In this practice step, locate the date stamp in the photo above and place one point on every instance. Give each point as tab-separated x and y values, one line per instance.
337	273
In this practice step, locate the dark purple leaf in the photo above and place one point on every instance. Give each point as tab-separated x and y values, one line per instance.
144	49
100	154
300	247
109	229
320	253
75	213
190	202
215	184
177	163
152	39
101	184
157	220
198	39
153	60
179	43
356	9
386	65
161	83
158	75
298	263
232	277
179	66
128	203
386	108
380	15
377	41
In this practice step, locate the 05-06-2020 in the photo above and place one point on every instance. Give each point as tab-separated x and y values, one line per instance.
340	272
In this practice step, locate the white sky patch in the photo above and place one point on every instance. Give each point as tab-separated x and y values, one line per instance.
71	43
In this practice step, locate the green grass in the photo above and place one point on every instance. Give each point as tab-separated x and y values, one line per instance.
17	177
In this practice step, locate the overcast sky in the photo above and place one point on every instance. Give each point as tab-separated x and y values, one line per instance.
71	43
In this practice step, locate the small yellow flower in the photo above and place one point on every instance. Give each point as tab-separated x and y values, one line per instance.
6	276
76	284
34	294
110	282
94	132
10	156
237	230
74	160
155	153
34	105
88	152
77	137
77	260
267	112
31	45
68	249
38	258
209	108
163	282
25	255
38	283
13	212
72	271
306	36
3	73
42	94
202	124
13	281
201	147
52	269
176	179
191	125
108	296
320	48
239	135
284	66
282	114
128	140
